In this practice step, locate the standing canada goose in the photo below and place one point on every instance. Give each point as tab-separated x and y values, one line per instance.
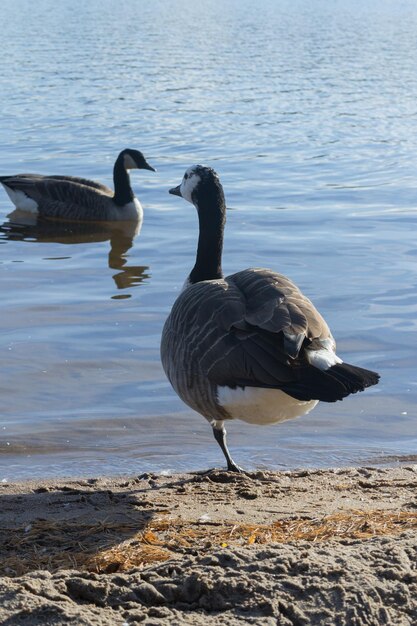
249	346
73	198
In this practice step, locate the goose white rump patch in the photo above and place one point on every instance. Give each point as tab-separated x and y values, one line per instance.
322	359
21	200
256	405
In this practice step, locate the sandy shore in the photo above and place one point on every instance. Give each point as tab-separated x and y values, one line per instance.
290	548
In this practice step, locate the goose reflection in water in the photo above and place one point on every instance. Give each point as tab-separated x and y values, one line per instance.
24	227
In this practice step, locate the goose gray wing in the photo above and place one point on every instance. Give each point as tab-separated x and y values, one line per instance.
84	181
26	179
263	325
274	303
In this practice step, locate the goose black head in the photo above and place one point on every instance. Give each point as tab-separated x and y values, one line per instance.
200	185
134	159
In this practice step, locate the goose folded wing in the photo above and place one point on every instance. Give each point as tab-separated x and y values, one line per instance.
84	181
58	189
261	327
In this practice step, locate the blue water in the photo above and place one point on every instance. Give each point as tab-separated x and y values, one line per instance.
308	111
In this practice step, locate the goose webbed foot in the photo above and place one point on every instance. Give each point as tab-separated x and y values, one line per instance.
220	436
232	467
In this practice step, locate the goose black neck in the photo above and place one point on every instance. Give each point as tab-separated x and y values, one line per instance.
212	218
123	193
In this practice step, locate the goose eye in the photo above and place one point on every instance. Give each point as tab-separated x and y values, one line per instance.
185	176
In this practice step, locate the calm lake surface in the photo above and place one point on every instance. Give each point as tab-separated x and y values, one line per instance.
308	111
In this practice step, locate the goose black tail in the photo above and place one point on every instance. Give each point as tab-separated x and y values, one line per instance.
332	384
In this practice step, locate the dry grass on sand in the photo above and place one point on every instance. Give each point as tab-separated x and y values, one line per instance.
218	530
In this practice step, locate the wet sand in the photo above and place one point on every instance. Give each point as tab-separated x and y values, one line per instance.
318	547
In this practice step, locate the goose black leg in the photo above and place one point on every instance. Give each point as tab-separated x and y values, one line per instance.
220	437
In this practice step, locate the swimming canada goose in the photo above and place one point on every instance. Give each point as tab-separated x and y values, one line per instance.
73	198
249	346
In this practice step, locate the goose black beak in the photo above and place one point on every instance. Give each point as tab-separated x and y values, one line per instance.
176	191
146	166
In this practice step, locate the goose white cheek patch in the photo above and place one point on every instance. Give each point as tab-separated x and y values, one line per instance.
189	183
129	162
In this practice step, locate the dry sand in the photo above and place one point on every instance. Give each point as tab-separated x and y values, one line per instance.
318	547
